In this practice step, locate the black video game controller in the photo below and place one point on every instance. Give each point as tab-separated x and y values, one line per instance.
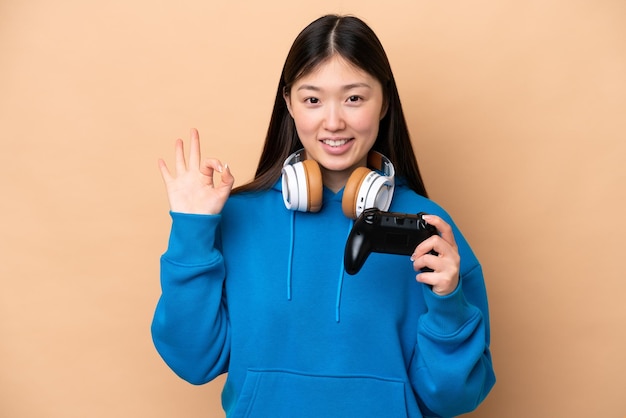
384	232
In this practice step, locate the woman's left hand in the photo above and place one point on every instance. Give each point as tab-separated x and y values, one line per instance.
446	265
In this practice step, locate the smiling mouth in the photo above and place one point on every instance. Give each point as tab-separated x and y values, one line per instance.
335	142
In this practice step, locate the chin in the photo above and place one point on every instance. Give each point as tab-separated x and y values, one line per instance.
338	166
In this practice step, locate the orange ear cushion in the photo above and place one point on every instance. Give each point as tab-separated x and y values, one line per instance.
314	185
350	192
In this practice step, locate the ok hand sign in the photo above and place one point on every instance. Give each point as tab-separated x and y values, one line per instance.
194	187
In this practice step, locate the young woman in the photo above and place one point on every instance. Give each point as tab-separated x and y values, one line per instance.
253	280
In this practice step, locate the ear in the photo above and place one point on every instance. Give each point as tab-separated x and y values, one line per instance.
287	99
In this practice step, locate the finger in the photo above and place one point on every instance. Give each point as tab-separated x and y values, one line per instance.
443	275
227	177
181	165
426	261
443	227
440	283
428	278
194	148
209	166
438	286
165	172
434	243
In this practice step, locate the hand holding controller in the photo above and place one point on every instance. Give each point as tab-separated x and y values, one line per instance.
384	232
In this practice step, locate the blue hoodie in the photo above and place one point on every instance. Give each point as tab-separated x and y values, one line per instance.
260	292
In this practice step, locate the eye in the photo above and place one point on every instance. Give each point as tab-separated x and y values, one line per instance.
354	99
312	100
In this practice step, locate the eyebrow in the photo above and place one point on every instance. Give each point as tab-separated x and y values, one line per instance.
345	88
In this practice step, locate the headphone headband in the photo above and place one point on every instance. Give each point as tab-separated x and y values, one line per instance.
296	157
381	163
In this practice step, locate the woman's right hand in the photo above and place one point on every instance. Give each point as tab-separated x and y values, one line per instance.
194	188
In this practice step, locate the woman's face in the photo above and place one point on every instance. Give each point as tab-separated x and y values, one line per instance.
337	110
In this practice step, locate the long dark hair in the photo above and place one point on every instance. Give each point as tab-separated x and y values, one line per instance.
354	40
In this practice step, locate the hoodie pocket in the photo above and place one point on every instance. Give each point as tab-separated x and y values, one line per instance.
279	393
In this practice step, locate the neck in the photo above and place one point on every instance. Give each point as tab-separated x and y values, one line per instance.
335	180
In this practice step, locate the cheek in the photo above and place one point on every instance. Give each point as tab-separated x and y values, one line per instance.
366	123
305	123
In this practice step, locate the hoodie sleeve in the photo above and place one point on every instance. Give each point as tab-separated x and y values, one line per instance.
190	328
451	371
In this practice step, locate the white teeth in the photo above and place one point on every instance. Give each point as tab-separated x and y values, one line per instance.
335	142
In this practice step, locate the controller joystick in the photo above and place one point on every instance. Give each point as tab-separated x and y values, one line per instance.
384	232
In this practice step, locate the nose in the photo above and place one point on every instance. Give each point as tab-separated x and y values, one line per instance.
334	118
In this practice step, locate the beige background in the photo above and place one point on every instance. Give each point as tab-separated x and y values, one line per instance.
517	109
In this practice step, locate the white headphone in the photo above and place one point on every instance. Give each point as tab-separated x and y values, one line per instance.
366	188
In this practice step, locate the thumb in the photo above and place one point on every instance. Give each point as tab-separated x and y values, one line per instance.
227	176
